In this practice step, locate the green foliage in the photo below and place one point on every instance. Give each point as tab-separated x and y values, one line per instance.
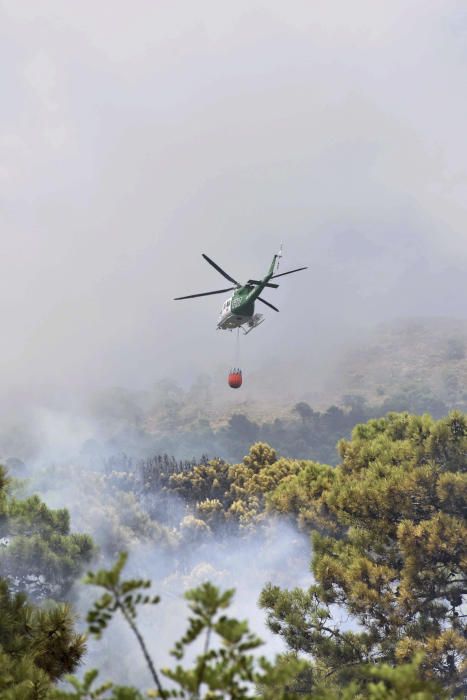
125	597
389	535
234	496
37	646
385	682
41	556
202	482
84	690
390	549
116	505
226	668
120	595
304	497
402	683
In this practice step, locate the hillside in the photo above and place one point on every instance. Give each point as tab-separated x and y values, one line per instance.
425	356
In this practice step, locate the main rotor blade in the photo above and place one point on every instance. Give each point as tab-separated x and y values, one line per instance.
219	269
205	294
268	284
268	304
289	272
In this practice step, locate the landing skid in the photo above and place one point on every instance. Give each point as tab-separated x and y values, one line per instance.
254	322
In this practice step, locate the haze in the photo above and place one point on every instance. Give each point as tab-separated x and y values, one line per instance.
135	136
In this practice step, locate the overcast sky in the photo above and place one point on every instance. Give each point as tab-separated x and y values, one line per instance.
136	135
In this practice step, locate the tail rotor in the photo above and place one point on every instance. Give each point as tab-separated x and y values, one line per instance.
278	257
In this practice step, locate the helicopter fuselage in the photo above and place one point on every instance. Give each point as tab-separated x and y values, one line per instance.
237	309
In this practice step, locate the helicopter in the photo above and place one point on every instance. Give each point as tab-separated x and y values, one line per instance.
238	311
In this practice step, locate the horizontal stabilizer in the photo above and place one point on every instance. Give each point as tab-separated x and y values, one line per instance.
268	284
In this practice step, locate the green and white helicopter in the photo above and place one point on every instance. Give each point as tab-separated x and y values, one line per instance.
238	311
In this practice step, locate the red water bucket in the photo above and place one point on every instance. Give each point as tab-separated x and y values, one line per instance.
235	378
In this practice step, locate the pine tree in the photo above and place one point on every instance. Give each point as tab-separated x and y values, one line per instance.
37	646
390	551
221	651
38	553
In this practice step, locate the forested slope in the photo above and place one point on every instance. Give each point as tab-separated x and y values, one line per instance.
386	588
